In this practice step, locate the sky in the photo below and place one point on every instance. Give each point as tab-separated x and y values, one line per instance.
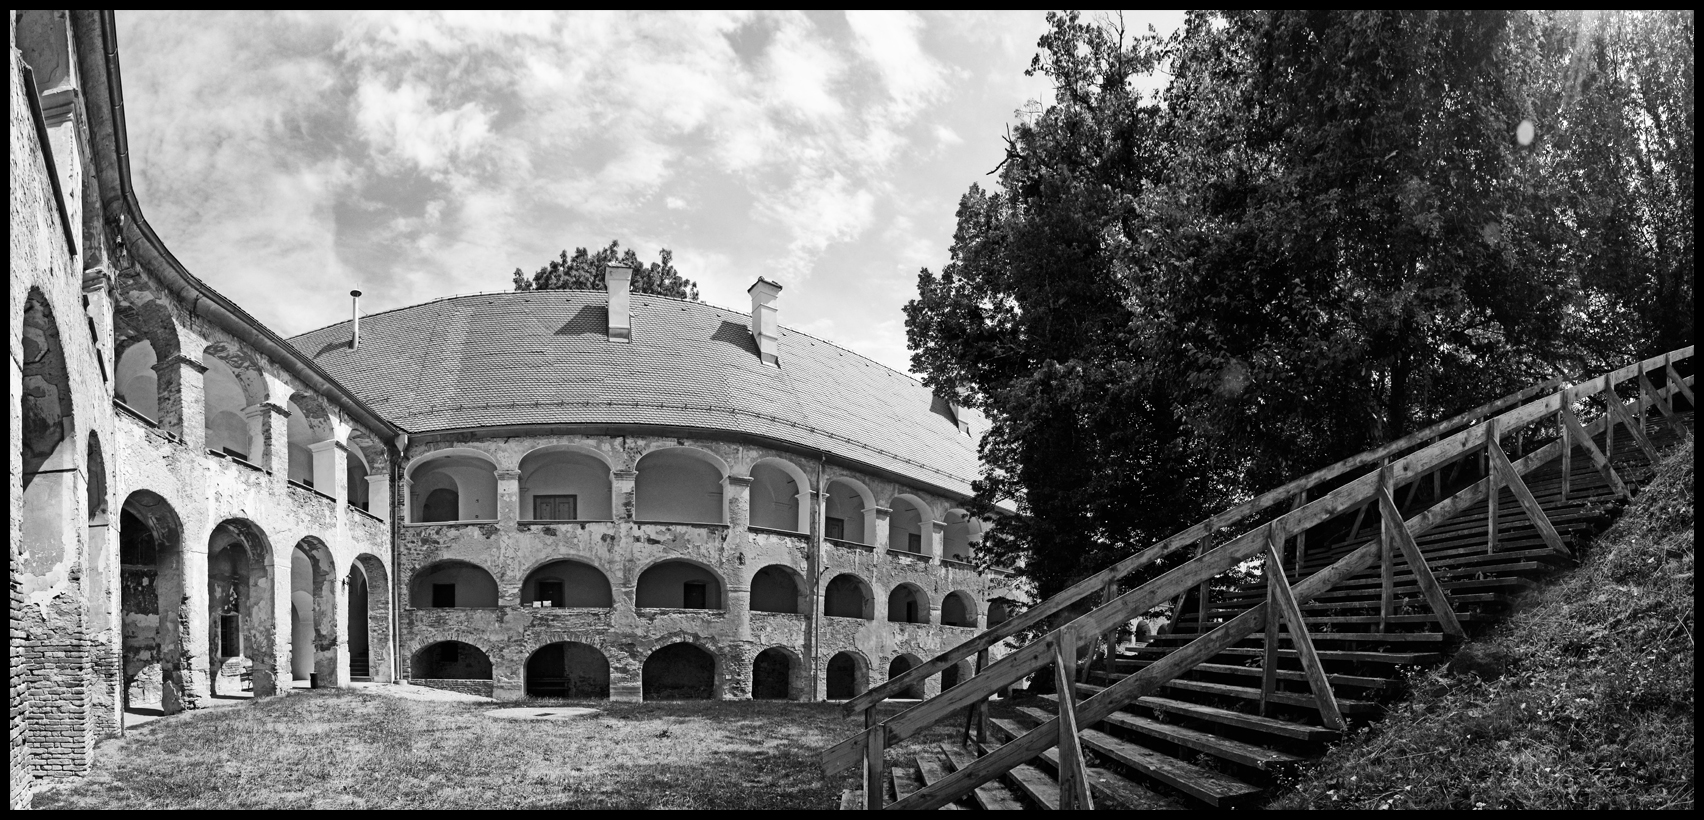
286	158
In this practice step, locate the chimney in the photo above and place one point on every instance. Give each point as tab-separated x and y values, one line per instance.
354	319
618	279
763	323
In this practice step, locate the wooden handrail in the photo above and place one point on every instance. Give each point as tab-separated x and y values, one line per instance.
1065	639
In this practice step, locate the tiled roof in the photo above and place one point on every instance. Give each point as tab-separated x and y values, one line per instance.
543	357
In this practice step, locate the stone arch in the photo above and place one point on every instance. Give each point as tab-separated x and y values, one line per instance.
469	475
908	604
853	506
231	385
780	496
566	482
956	674
778	588
960	535
849	596
452	583
681	485
311	430
146	332
369	619
680	671
776	674
958	609
313	611
151	594
103	622
567	669
453	665
1001	610
567	582
136	384
901	664
668	583
847	675
240	596
366	460
910	526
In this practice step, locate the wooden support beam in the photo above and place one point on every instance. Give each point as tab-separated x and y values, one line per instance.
1496	490
1506	471
1301	535
1201	594
1657	397
1073	774
875	737
1435	596
1437	480
1619	412
1290	612
1269	661
1567	453
1677	381
982	705
1387	570
1577	432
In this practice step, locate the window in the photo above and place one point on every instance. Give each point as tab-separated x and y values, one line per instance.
556	507
914	542
230	635
551	593
834	528
695	595
443	595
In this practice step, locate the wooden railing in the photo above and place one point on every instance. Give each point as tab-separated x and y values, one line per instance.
1467	437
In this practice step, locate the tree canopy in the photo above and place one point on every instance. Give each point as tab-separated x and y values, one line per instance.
585	271
1328	229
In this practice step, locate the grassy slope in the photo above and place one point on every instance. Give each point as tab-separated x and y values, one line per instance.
1583	699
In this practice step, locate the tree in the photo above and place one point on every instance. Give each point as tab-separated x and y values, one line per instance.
585	271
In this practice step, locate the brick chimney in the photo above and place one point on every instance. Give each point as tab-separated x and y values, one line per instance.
763	322
617	279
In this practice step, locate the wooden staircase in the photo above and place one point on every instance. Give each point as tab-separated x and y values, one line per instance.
1229	699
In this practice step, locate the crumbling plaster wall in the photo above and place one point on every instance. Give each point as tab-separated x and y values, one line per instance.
623	549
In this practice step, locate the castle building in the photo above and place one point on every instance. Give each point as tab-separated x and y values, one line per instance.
545	493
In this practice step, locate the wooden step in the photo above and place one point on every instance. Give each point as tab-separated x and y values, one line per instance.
1397	658
933	770
1110	789
1348	706
1236	751
1208	786
991	796
1360	681
905	781
1268	725
1029	780
1285	636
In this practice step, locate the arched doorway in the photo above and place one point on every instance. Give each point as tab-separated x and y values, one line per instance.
847	596
847	677
900	666
313	608
776	588
242	635
151	591
451	665
568	669
772	674
680	671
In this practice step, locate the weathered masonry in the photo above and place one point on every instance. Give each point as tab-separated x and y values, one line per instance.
561	494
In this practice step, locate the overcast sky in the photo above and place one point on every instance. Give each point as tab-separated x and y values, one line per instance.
287	158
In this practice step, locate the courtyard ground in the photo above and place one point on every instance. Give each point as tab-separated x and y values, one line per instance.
358	749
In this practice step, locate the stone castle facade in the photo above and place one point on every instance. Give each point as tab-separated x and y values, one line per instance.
547	494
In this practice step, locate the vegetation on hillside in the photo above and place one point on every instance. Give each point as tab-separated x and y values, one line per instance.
1582	700
1328	229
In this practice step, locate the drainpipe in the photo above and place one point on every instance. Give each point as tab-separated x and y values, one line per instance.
396	559
817	525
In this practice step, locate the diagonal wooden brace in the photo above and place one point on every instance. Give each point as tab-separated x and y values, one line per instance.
1269	660
1677	381
1435	596
1577	432
1493	498
1512	478
1073	774
1618	413
1291	613
1657	397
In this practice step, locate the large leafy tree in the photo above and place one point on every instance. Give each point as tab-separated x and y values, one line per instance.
585	271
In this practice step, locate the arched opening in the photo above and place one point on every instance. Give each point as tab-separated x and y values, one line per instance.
567	584
900	666
241	633
679	671
1000	610
958	609
313	619
561	483
680	485
778	496
908	527
568	669
908	604
847	676
772	675
355	472
302	440
847	596
52	456
368	475
954	675
453	485
450	661
151	594
849	512
137	385
678	585
101	571
369	619
777	588
452	585
226	426
960	533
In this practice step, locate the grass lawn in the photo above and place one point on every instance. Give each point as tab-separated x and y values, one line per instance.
350	749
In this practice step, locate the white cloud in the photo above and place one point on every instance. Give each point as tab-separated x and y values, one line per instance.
402	123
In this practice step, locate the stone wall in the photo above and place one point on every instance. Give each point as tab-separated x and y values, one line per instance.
481	688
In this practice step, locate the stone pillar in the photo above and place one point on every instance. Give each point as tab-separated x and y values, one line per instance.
331	461
880	537
97	296
183	402
406	486
508	498
269	437
739	505
622	483
626	682
739	611
378	494
276	640
937	535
